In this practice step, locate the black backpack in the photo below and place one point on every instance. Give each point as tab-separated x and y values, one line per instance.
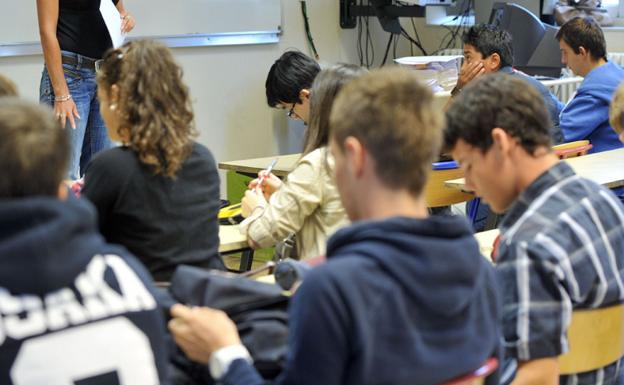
259	311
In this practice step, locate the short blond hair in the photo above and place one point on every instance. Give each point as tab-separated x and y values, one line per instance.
616	110
392	114
34	149
7	87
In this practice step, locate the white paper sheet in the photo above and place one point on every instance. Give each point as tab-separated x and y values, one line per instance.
440	73
112	19
421	60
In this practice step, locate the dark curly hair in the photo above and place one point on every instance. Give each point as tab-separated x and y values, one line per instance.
498	100
154	103
488	39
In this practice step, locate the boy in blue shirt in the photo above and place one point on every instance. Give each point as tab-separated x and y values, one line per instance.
586	116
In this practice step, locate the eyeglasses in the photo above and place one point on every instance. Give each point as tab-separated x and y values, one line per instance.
291	112
99	64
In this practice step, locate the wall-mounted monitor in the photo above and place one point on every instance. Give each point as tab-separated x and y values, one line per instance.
536	51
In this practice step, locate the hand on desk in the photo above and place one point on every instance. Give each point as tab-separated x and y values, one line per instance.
269	183
200	331
254	200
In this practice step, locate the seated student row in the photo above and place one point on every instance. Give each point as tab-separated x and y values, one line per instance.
474	319
497	129
460	153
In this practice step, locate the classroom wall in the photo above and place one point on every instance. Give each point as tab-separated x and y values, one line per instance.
227	83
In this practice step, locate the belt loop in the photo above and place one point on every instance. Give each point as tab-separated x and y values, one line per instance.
78	62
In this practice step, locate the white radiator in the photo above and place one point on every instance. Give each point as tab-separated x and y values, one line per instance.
563	88
616	57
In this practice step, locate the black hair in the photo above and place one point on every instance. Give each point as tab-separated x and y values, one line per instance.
290	74
503	101
488	39
584	32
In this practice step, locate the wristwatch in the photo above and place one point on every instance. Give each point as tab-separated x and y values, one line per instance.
221	359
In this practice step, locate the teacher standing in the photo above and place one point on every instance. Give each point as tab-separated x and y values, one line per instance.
73	37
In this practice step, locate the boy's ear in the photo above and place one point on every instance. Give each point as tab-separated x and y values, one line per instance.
501	140
583	51
304	94
354	155
493	62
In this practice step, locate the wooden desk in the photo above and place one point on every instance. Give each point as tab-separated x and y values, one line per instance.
232	241
605	168
284	165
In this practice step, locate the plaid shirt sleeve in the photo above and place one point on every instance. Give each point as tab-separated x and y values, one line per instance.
537	309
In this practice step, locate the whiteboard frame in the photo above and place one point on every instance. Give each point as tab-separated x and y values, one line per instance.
174	41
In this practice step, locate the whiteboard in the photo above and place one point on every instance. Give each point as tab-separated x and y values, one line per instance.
175	22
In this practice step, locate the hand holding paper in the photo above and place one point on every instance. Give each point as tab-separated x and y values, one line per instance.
113	22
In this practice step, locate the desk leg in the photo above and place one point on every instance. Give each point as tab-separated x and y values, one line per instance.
246	260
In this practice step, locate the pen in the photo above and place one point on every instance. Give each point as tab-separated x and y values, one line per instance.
268	171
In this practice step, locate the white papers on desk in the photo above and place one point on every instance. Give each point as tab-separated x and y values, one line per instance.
112	19
439	72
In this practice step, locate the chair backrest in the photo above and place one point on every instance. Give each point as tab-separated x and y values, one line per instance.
572	149
478	376
436	193
596	339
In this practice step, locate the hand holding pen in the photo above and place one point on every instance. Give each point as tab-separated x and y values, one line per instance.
266	181
255	197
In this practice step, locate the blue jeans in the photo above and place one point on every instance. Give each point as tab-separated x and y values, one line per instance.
90	135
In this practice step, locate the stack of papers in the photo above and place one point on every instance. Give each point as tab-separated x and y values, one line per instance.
439	72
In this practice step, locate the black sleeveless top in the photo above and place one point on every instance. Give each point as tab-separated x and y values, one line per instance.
81	29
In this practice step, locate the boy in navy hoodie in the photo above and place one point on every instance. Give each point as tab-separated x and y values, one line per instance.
73	309
404	298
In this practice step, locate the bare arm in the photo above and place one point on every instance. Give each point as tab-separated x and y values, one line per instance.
47	14
127	20
543	371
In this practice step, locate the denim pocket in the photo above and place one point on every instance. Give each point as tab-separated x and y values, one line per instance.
72	76
45	88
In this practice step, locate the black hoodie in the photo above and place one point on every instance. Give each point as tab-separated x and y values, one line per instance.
400	301
72	308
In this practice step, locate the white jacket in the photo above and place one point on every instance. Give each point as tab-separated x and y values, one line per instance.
307	204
